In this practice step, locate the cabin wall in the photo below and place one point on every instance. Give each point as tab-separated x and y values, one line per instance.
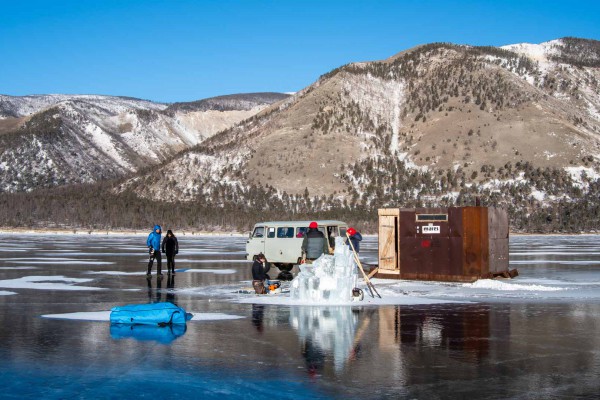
446	244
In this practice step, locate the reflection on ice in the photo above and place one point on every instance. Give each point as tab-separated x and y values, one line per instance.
325	330
160	334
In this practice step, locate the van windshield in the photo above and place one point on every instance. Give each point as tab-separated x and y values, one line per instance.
259	232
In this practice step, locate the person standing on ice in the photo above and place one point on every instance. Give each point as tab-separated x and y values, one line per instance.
260	268
314	243
170	247
153	243
355	239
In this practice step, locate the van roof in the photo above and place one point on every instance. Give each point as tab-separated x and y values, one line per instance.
302	223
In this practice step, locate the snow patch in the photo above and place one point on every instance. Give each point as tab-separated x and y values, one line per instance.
499	285
104	316
211	271
47	283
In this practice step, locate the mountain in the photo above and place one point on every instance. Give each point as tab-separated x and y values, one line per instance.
52	140
440	124
437	125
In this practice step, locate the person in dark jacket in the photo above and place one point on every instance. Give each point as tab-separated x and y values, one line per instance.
153	243
314	243
355	238
260	268
170	247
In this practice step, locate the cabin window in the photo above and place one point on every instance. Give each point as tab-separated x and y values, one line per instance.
343	232
259	232
432	217
271	233
285	232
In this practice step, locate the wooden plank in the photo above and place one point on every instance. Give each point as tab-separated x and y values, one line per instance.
372	273
388	211
387	238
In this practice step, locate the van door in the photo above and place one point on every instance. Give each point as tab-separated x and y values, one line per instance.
289	245
271	245
256	242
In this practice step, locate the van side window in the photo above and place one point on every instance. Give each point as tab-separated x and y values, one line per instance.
271	233
285	232
301	231
259	232
343	231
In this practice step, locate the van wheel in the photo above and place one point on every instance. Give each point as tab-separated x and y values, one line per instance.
285	267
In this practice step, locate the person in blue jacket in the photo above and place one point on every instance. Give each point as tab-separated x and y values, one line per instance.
355	238
153	243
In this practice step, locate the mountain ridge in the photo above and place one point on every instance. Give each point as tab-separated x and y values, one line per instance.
436	125
66	139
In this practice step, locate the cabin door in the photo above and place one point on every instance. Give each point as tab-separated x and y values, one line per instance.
388	238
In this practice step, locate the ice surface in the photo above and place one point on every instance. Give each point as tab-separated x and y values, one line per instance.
211	271
177	260
500	285
46	283
329	348
83	316
59	262
105	316
6	293
138	273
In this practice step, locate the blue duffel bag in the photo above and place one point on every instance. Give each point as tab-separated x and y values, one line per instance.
160	314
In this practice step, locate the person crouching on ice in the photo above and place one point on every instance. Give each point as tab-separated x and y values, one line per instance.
153	243
260	267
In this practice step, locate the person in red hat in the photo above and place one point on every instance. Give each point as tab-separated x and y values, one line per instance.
355	238
314	243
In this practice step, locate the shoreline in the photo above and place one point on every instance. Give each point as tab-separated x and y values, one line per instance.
193	233
109	232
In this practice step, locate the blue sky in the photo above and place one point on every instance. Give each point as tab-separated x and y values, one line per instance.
179	50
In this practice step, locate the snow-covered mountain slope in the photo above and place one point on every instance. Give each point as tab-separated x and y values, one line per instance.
52	140
432	122
22	106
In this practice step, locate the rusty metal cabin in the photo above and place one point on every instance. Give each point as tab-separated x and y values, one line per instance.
443	244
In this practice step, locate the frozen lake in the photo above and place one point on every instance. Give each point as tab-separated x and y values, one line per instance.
536	336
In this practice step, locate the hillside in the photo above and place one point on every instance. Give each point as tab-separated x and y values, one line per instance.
437	125
440	124
53	140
